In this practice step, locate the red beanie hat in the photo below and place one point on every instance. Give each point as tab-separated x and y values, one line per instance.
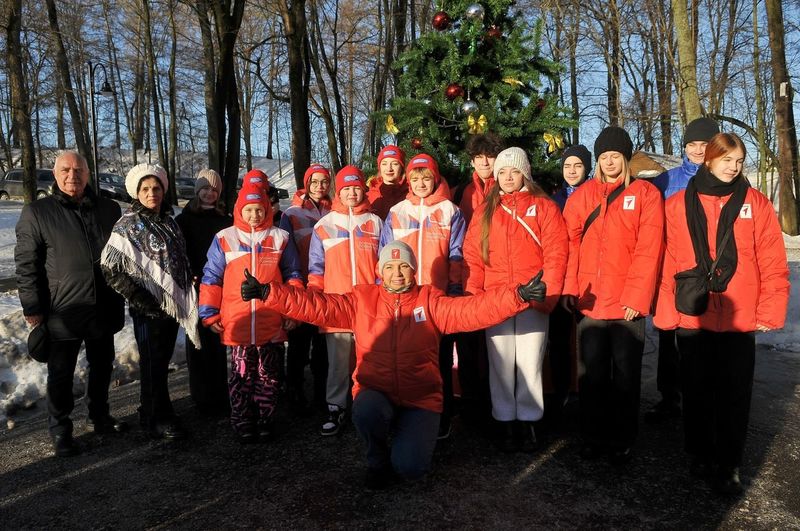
423	160
350	176
392	152
315	168
256	177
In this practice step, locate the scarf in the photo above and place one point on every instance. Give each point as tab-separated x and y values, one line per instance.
148	247
704	182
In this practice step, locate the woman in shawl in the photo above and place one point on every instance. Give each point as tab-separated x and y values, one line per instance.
145	261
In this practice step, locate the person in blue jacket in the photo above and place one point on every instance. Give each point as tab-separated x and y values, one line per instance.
576	166
695	138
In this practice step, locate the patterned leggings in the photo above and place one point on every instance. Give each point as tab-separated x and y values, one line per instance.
253	384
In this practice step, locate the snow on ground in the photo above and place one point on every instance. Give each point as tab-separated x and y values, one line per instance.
23	381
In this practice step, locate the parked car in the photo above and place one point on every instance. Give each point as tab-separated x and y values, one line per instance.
113	187
282	192
184	186
11	183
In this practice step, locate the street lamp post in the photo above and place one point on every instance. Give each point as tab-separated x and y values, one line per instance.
105	90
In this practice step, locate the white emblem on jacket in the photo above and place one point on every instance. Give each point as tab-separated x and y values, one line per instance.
746	212
419	314
629	202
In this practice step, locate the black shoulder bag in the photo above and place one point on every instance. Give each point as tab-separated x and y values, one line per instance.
596	212
693	285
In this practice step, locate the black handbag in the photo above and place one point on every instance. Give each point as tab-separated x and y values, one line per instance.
39	343
692	286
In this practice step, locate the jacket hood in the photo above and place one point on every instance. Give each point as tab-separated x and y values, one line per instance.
301	199
249	195
440	193
338	206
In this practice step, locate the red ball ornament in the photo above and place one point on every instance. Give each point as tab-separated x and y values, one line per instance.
493	34
453	91
441	21
416	143
541	104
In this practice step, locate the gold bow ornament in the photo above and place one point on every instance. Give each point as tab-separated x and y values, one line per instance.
554	142
477	126
391	128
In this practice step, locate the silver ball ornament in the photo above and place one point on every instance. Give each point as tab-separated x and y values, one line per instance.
469	107
475	11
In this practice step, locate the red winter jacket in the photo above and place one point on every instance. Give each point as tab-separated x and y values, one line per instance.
758	292
474	195
618	261
514	255
383	197
397	335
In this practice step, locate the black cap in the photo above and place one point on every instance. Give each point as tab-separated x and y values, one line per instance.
582	153
700	130
613	138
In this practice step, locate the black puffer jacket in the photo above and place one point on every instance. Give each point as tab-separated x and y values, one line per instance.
57	255
199	226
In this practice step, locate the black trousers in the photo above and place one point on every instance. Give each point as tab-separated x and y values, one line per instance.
611	353
446	345
473	369
717	371
559	340
302	340
208	372
155	338
668	378
60	374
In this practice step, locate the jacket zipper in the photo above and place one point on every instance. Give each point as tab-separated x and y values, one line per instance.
352	244
255	274
420	239
394	344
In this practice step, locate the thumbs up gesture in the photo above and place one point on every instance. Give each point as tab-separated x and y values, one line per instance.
252	288
534	290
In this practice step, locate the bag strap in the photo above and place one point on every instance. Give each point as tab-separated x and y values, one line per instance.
596	212
524	225
720	249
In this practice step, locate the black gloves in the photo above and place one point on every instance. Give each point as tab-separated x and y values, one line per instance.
534	290
252	288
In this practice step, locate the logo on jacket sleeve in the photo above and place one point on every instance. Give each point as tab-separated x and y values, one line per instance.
531	211
629	202
419	314
746	211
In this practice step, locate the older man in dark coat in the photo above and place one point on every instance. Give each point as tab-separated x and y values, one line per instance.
59	241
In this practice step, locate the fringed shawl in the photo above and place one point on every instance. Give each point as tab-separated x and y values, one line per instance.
149	248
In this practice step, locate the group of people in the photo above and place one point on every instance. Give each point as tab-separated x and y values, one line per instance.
374	284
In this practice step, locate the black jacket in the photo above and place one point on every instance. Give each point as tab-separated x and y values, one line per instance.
199	228
57	256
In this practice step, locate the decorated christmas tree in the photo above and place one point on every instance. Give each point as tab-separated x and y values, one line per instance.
479	71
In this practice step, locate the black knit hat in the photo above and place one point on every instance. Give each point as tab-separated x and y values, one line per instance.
582	153
613	138
700	130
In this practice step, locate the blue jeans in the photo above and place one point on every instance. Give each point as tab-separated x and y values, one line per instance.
413	433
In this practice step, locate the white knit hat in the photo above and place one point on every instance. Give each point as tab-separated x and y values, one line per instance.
514	157
139	172
207	177
397	250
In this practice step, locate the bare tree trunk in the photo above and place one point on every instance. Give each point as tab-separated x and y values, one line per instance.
784	120
173	170
152	75
294	22
62	67
19	96
572	44
614	109
209	78
761	125
687	85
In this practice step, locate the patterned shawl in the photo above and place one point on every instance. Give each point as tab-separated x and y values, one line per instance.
149	247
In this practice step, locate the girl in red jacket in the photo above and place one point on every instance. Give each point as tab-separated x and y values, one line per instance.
254	333
397	387
517	232
389	186
616	238
749	293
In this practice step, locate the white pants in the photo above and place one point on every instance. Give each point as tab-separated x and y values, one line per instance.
516	351
339	344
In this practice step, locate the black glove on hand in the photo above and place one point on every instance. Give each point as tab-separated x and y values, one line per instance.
252	288
534	290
